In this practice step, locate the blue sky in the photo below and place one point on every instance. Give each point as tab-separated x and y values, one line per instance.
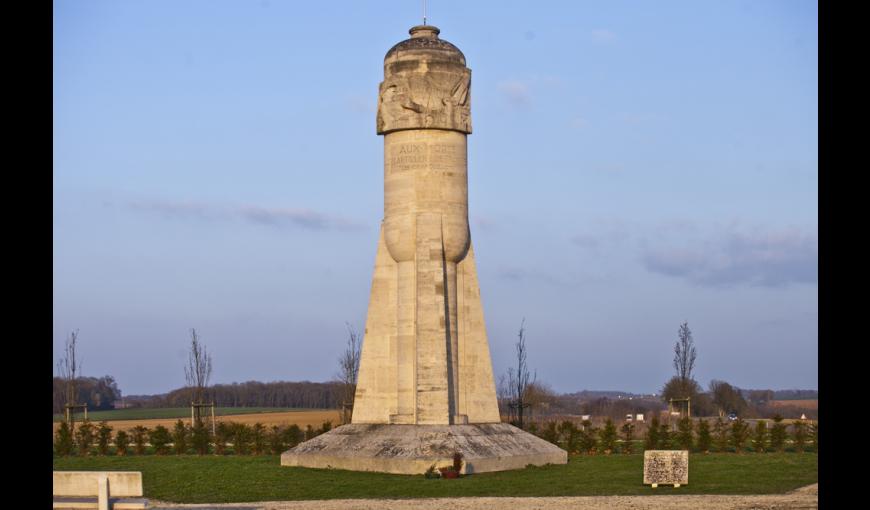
633	165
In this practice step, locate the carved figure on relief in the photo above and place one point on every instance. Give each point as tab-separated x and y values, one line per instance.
437	100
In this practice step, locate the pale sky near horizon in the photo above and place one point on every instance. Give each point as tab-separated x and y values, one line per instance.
633	165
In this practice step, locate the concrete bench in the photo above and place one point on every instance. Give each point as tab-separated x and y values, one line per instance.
103	490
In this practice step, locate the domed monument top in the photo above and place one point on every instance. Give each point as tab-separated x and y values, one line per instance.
426	85
424	38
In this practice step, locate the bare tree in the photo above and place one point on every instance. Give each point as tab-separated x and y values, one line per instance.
684	353
197	372
348	372
520	379
67	368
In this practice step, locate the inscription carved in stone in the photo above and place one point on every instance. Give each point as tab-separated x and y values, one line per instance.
666	467
425	100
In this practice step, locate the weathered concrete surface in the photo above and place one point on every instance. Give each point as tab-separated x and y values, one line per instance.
805	498
85	483
412	449
97	489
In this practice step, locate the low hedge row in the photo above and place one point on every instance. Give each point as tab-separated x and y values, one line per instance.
229	438
697	436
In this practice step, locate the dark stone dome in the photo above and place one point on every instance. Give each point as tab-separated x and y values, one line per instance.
424	40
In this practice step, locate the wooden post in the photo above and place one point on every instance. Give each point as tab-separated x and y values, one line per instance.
191	415
213	431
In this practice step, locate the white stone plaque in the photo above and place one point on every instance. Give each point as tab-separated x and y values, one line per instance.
666	467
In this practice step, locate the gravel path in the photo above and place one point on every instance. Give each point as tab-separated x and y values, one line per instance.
803	498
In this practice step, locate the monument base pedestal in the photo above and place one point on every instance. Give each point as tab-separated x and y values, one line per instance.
412	449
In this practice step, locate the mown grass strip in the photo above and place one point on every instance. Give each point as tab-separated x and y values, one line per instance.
237	479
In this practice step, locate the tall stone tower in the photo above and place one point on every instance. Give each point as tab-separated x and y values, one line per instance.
425	388
425	359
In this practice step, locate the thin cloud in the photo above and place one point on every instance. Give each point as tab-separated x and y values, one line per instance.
484	223
578	122
708	255
269	216
517	274
516	92
362	104
603	36
766	258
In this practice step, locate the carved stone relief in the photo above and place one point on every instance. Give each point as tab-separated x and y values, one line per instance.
425	100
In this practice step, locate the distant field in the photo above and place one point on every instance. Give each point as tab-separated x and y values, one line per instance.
174	412
268	417
803	404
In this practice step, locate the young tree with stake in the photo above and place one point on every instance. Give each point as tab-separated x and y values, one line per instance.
348	373
197	373
520	380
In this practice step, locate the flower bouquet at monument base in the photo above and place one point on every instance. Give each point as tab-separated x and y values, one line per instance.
454	470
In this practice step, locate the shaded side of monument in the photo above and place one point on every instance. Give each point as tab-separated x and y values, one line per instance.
425	389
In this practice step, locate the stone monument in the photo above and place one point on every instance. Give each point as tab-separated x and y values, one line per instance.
425	388
665	467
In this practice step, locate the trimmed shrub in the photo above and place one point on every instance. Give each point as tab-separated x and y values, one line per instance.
814	435
326	427
223	433
63	442
588	438
85	437
665	437
310	433
258	438
293	435
720	435
138	435
276	440
651	441
570	436
608	437
777	434
200	437
550	432
241	439
739	434
799	436
160	439
122	442
179	438
684	437
104	437
627	437
759	438
704	438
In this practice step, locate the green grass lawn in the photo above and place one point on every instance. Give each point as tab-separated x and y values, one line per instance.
173	412
237	479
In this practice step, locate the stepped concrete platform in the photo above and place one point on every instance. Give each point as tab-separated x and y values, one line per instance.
412	449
